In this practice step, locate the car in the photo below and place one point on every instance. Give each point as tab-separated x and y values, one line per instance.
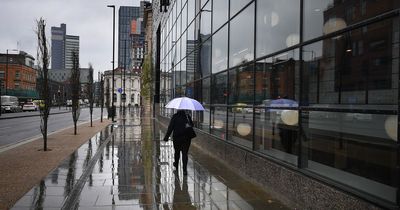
239	108
29	106
39	103
10	104
69	102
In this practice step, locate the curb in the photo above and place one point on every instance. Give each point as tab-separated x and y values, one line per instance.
35	115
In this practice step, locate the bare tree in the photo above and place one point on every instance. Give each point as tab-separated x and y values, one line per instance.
44	90
90	91
75	88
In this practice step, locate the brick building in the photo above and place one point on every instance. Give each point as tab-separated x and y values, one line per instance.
18	75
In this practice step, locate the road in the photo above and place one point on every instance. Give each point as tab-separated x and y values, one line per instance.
16	130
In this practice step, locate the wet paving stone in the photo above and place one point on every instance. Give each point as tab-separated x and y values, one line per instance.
126	166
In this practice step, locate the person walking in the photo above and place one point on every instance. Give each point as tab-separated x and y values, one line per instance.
181	141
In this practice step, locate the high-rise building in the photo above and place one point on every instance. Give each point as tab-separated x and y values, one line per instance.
58	46
71	44
62	46
130	22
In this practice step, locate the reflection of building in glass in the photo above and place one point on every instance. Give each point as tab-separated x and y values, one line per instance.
323	101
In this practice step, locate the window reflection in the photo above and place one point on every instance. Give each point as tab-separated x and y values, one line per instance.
205	91
191	8
242	44
205	27
220	13
276	114
327	16
278	25
240	125
276	77
220	50
354	68
218	121
191	65
241	85
237	5
219	88
205	58
348	146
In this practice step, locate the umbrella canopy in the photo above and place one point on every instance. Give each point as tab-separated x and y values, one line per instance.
283	102
185	103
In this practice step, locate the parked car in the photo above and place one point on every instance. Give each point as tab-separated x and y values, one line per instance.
69	102
29	106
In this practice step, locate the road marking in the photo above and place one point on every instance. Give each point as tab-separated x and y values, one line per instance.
5	128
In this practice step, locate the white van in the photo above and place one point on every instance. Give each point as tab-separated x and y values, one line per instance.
10	104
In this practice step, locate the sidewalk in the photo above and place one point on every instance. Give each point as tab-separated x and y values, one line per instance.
131	168
24	166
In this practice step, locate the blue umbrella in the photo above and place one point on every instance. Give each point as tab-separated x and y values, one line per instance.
185	103
283	102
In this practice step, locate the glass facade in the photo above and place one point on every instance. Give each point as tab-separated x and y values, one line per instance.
309	83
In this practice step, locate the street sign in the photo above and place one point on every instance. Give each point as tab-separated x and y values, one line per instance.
119	90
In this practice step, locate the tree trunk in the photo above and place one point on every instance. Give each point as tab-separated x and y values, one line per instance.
91	122
45	136
74	128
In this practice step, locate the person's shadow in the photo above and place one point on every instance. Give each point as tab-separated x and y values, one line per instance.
181	195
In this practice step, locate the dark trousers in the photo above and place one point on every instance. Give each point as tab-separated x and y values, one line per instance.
182	145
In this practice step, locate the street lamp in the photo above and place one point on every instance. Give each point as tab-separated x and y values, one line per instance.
112	106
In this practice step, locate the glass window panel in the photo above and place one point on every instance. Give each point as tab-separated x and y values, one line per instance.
177	51
178	6
190	66
358	67
205	91
356	149
237	5
220	13
184	45
205	27
241	86
179	26
205	58
277	133
278	25
277	77
220	50
326	16
204	119
219	87
240	126
218	122
191	42
191	9
203	2
241	44
184	18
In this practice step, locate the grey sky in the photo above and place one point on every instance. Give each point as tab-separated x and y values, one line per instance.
91	20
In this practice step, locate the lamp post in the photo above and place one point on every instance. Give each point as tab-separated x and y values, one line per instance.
112	105
101	95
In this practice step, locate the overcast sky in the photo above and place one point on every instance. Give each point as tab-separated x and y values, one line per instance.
91	20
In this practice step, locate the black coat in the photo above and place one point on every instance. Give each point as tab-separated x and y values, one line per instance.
177	125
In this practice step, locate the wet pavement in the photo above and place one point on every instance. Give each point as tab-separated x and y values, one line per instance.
126	166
